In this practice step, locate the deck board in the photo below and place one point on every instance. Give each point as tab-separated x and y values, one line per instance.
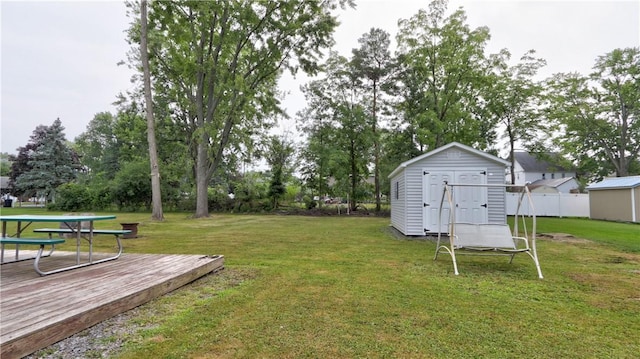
36	312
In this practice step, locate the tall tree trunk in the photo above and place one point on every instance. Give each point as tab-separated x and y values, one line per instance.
376	147
354	176
202	180
156	195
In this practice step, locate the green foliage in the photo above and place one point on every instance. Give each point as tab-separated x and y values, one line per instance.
102	196
309	203
217	64
73	197
131	187
99	146
45	163
251	193
219	200
5	164
441	78
340	131
513	102
599	114
279	154
372	60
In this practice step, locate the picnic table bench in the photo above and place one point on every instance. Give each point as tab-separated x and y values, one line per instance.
70	225
88	234
115	232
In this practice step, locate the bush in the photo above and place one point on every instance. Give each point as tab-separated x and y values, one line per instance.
218	199
131	187
72	197
309	203
101	196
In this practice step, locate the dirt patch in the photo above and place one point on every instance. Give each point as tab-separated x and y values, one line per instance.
562	237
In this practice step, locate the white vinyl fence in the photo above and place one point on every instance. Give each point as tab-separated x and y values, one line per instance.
552	204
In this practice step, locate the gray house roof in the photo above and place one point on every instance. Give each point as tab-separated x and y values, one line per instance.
531	163
459	146
616	183
4	182
554	183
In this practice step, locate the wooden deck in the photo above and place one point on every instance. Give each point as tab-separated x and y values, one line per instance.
36	312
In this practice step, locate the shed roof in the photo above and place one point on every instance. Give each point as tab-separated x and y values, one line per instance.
457	145
554	183
616	183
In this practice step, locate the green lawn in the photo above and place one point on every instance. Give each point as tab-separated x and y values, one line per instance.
345	287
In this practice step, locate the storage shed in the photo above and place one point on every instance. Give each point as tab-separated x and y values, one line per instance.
417	184
615	199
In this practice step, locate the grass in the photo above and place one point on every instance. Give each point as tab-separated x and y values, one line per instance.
346	287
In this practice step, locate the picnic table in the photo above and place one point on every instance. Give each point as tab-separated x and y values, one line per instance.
71	224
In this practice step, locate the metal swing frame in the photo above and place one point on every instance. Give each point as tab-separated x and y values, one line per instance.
487	238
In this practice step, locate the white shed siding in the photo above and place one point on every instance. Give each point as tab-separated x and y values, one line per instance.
398	201
454	158
414	207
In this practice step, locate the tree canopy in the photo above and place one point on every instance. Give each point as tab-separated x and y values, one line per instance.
213	69
45	163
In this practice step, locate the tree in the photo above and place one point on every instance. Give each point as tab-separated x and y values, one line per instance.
156	194
442	75
98	147
20	164
279	153
598	115
218	61
5	164
372	61
50	162
513	99
315	121
337	104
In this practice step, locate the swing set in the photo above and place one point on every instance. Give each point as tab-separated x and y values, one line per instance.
487	238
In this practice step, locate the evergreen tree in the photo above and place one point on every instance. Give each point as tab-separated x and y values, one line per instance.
50	162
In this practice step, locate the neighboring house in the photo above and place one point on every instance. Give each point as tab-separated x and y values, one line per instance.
615	199
4	184
558	185
529	169
417	185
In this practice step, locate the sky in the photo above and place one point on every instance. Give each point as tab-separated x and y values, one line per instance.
59	59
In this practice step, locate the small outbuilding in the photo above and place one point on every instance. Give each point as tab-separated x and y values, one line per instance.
558	185
417	185
615	199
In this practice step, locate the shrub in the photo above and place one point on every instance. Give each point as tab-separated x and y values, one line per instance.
72	197
309	203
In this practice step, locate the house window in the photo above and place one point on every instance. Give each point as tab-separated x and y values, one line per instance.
397	190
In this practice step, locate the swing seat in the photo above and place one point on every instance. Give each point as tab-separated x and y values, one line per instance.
496	238
487	237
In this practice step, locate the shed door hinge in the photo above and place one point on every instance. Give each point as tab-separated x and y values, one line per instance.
483	205
483	173
424	173
425	204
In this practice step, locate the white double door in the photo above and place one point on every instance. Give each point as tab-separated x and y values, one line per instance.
470	202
